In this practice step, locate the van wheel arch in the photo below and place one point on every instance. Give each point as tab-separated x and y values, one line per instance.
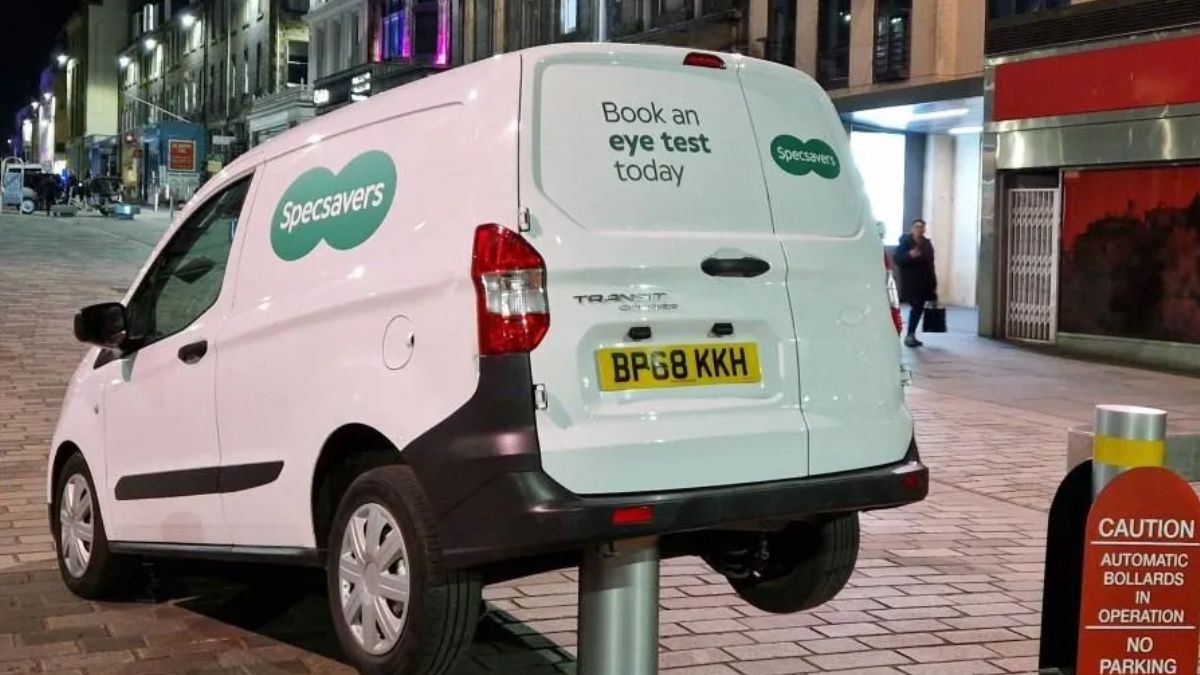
62	453
350	451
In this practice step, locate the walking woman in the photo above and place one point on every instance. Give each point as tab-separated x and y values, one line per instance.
918	280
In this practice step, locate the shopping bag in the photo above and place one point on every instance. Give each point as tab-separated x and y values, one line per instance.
933	320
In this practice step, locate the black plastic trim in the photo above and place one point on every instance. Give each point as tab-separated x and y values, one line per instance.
192	482
481	471
307	557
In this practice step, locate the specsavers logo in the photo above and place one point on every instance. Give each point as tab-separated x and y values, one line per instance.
343	209
800	158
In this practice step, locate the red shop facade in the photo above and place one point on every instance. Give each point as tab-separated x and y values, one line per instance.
1091	198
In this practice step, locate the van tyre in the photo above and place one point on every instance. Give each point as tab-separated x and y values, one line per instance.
87	566
394	607
808	566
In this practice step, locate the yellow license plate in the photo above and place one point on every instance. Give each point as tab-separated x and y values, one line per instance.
678	366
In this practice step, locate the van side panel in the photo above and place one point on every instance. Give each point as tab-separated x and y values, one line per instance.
318	336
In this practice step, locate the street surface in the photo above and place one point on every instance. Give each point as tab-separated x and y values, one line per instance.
949	586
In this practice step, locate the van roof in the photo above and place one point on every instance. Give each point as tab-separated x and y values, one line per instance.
417	94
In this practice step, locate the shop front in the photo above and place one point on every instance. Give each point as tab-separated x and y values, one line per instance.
1091	199
171	160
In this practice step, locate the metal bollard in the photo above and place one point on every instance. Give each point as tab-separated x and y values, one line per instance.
1126	437
618	608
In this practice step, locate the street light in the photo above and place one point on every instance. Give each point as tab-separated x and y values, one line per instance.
62	59
46	96
150	43
123	61
187	19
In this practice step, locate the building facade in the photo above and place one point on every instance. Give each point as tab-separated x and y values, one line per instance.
1091	180
190	75
362	47
91	38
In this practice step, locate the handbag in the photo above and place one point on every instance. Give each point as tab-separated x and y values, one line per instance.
933	320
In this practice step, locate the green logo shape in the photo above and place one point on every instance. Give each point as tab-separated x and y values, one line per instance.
799	158
343	209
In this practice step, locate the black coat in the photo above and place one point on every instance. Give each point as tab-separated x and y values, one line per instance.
918	280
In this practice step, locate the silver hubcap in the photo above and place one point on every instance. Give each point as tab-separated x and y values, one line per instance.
373	578
77	519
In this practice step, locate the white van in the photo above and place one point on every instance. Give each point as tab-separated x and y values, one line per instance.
459	331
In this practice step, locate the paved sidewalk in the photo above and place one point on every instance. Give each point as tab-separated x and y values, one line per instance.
948	586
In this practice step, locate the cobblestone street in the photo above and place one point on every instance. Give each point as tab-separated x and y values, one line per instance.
948	586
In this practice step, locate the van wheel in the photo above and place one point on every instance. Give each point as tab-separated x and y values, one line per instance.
807	566
88	568
394	608
28	206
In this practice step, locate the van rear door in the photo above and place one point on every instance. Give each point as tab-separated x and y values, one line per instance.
848	351
670	362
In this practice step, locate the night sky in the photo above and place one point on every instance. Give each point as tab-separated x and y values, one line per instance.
27	34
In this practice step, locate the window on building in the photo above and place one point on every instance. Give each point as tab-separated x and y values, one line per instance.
245	71
395	34
425	29
833	43
568	17
893	39
336	60
1001	9
625	17
297	62
668	12
484	27
318	52
150	16
249	11
156	62
355	26
258	85
781	32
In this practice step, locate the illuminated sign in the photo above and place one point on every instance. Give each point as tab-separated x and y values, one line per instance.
360	86
321	96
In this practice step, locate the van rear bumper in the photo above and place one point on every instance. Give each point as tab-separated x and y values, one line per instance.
525	514
482	475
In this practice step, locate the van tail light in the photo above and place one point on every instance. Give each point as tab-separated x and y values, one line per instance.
510	291
702	60
893	298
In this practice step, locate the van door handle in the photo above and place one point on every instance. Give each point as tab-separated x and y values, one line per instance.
735	267
193	352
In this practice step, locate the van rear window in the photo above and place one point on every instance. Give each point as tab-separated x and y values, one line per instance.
648	145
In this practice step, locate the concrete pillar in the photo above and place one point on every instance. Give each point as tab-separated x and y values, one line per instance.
807	15
757	25
862	42
925	23
939	207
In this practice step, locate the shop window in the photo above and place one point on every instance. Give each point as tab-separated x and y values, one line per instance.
833	43
781	32
297	62
425	29
568	17
396	43
893	39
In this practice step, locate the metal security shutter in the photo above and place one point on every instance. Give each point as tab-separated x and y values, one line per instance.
1032	237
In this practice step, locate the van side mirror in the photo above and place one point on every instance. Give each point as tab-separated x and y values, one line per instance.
102	325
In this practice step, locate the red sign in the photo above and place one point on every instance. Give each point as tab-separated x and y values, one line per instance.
181	155
1141	578
1156	73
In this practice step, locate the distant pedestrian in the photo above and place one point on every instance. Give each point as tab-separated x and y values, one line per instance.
918	280
47	190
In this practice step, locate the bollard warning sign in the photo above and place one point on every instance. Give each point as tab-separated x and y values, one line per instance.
1141	578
